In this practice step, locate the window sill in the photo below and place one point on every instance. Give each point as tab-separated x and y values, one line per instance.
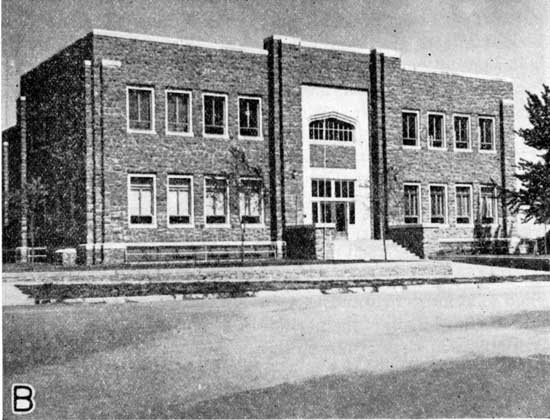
250	138
217	225
135	226
132	131
462	150
332	143
441	149
216	136
177	134
488	152
253	225
465	225
180	226
411	147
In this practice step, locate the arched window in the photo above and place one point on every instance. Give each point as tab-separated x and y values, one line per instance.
331	128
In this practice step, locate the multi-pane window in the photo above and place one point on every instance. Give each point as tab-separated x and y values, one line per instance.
141	199
250	201
215	114
436	131
178	112
463	204
327	194
140	104
462	132
331	129
216	201
410	128
250	117
179	200
486	134
412	203
488	204
438	205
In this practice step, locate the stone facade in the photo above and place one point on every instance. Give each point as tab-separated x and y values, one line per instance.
76	105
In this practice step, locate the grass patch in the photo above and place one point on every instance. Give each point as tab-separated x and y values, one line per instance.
495	387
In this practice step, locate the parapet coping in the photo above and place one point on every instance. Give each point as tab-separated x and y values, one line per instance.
456	73
307	44
176	41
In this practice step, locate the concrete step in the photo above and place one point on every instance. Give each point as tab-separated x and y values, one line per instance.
371	249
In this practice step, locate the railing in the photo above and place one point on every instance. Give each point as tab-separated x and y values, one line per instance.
201	253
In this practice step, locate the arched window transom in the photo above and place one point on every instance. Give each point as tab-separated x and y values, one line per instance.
331	129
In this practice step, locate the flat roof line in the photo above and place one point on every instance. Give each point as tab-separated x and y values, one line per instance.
322	46
176	41
456	73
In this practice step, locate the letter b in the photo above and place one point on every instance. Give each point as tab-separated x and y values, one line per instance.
22	398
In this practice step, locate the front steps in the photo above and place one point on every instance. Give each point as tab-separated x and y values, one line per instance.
371	249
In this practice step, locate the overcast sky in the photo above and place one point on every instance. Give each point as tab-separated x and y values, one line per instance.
508	38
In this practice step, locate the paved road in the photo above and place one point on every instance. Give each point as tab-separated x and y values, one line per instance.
204	349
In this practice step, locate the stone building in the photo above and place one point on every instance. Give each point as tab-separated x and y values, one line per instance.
147	141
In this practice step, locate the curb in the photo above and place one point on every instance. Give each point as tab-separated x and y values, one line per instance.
375	286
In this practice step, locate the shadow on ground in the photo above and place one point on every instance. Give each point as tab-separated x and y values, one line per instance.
495	387
524	320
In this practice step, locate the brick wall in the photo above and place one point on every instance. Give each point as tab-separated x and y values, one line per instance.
165	66
54	137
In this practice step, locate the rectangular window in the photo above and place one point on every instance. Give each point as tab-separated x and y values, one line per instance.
250	201
140	108
463	204
410	128
486	134
412	203
141	200
178	112
179	200
438	205
436	131
462	132
488	205
250	117
215	115
327	194
216	201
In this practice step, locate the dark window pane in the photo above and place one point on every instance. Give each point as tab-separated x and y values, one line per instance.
179	219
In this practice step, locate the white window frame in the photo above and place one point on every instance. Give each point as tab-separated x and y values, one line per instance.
495	207
188	133
471	212
260	135
154	198
333	198
192	202
133	130
261	223
227	223
443	131
483	117
446	221
469	149
225	134
419	186
411	111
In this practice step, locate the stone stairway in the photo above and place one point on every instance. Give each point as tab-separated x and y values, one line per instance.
370	249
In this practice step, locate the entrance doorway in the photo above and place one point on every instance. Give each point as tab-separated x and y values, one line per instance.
341	222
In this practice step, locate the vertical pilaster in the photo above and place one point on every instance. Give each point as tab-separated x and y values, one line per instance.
5	183
90	156
22	112
507	161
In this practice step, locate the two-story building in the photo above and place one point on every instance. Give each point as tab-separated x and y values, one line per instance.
145	140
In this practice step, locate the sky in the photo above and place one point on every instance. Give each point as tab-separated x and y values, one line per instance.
506	38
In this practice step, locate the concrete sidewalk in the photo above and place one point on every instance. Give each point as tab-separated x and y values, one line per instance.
436	272
346	271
